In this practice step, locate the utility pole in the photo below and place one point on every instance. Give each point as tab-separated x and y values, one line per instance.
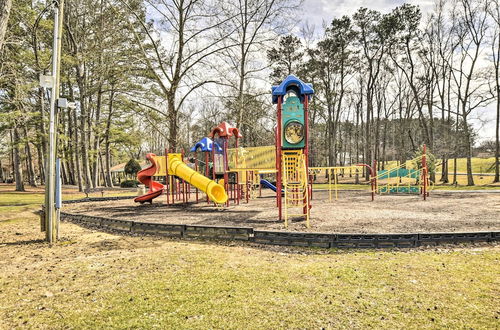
50	213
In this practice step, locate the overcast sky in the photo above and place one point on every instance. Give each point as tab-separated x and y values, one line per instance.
318	11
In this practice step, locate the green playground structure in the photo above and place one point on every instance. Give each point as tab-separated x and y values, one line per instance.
403	180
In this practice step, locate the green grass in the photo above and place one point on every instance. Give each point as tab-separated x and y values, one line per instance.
99	280
479	165
324	186
196	286
477	187
9	197
342	186
15	198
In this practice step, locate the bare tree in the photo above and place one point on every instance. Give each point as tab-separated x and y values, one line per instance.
255	23
494	11
470	81
372	40
174	48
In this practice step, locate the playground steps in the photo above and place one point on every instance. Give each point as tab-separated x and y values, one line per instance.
399	189
400	179
295	185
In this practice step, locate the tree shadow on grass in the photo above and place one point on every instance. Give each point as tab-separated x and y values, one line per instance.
25	242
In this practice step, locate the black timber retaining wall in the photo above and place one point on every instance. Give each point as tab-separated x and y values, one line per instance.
321	240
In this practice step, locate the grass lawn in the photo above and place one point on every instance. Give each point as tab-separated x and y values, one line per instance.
99	280
479	165
36	195
436	187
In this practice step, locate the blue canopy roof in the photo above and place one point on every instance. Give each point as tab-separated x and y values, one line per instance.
292	83
205	145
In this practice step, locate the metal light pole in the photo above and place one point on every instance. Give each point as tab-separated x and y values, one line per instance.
50	213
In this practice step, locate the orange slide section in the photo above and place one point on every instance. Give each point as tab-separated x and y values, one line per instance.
145	176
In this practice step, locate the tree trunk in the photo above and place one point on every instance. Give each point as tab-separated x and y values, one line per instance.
470	178
368	157
83	127
384	142
497	126
69	152
42	136
5	7
444	170
95	165
76	146
18	170
172	120
29	160
2	176
41	167
455	182
497	138
107	151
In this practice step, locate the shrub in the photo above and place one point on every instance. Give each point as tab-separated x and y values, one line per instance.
129	184
132	167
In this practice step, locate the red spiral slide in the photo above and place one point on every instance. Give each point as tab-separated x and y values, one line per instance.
145	176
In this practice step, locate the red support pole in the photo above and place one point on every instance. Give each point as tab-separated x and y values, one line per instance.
247	193
278	157
424	171
207	171
197	169
213	158
276	151
181	183
374	179
306	152
167	176
373	184
226	167
237	174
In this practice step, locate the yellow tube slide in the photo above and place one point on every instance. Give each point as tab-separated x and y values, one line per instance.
215	191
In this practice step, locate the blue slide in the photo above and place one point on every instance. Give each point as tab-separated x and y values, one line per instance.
268	184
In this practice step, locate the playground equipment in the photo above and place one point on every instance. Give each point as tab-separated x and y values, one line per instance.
292	148
269	185
205	145
232	174
333	172
221	135
402	179
145	176
178	176
176	167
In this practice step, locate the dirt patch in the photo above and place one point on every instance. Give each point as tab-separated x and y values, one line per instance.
354	212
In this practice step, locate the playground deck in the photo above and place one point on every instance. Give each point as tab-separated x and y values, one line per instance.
352	213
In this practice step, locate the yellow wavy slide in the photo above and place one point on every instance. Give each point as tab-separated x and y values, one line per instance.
214	191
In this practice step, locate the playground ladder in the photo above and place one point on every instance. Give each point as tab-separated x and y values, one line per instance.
295	185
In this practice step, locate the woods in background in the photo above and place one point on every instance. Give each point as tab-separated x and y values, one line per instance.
146	75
